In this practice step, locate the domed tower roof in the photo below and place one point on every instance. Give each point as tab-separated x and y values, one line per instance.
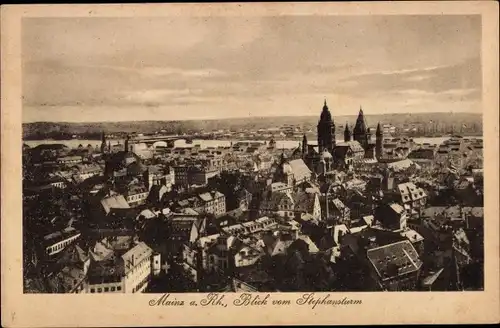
326	116
360	127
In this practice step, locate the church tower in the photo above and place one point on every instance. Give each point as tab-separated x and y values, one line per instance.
326	131
126	148
379	147
103	142
360	132
304	147
347	133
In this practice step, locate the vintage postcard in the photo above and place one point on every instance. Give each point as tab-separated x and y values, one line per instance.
250	164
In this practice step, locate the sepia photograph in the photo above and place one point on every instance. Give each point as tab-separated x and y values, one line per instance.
253	154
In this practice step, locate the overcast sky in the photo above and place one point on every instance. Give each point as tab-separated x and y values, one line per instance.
170	68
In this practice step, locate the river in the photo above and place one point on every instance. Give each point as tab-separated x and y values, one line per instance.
287	144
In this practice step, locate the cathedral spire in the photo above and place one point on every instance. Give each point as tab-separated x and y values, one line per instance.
103	142
379	142
360	126
379	129
126	143
360	131
304	145
326	130
347	133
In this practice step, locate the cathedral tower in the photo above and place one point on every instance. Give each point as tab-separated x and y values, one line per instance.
347	133
360	132
326	131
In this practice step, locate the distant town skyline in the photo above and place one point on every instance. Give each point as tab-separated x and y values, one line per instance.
179	68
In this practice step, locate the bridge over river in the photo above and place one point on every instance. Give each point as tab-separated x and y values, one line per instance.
169	139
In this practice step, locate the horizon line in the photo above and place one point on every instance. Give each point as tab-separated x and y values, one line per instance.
246	117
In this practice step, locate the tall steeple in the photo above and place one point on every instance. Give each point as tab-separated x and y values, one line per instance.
379	143
347	133
304	146
360	132
103	142
126	143
326	130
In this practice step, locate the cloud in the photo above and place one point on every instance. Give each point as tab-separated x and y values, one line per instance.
418	77
252	64
172	71
52	83
463	75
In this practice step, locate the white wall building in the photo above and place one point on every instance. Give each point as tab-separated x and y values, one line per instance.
57	241
130	273
137	263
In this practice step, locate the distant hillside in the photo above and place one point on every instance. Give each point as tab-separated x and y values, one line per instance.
41	130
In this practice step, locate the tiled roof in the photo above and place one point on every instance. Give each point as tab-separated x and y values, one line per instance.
304	202
409	191
104	271
134	256
147	213
275	199
58	236
279	185
477	212
311	245
397	208
274	245
260	224
394	259
428	281
412	235
338	204
237	285
217	249
66	279
213	195
207	197
72	254
101	252
117	201
353	183
87	168
157	191
136	189
401	165
355	146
